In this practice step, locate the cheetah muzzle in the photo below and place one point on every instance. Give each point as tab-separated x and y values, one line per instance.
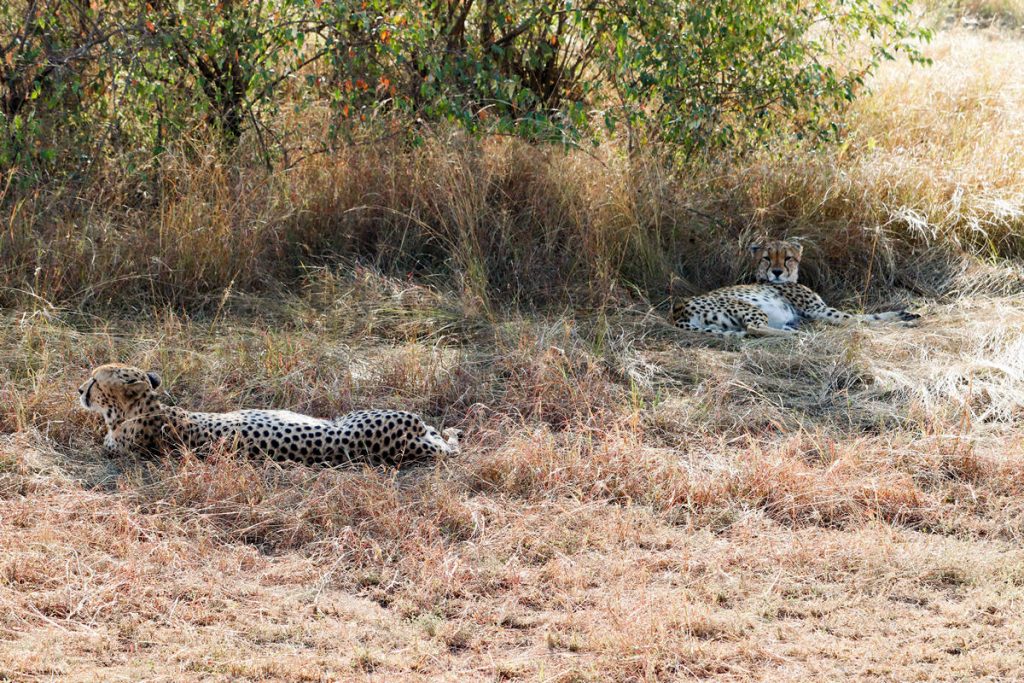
137	422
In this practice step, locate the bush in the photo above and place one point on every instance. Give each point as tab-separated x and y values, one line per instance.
56	67
687	75
716	73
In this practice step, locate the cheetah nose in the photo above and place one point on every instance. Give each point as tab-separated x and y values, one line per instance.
777	272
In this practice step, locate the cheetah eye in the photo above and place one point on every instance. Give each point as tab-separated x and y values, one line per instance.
766	259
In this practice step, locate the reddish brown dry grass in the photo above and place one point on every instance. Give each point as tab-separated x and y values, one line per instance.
635	509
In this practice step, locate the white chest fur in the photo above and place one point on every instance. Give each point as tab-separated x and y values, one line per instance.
779	311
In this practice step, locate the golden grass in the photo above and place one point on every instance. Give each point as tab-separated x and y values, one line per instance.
1004	13
928	178
634	503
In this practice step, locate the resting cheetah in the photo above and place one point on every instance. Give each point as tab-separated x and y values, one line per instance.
772	307
137	421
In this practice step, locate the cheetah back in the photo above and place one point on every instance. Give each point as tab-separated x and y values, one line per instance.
372	436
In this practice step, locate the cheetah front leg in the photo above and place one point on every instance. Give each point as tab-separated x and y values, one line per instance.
766	331
716	330
754	321
452	436
113	445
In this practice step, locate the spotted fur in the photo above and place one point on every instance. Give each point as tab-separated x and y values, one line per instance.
138	422
773	307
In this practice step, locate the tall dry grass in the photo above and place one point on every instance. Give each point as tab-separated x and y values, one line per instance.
927	180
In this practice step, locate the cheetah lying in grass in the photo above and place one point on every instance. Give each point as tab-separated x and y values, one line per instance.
138	422
774	306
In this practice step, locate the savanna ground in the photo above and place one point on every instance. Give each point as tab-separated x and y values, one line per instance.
633	502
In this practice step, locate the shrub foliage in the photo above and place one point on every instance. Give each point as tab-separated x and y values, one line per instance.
80	79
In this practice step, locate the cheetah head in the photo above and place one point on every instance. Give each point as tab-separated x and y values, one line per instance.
113	390
777	261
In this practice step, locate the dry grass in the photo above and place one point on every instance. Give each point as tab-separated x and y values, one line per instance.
1003	13
929	177
633	503
632	506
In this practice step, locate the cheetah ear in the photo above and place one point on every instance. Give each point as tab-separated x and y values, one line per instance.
154	379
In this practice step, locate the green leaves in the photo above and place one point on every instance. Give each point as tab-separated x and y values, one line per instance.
729	72
49	51
684	75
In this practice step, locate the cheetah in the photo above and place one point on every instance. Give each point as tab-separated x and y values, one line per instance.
137	421
773	307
